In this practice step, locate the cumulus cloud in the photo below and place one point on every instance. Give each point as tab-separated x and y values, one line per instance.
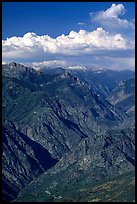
76	43
111	17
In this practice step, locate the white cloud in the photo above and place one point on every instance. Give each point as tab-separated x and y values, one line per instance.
76	43
114	11
110	18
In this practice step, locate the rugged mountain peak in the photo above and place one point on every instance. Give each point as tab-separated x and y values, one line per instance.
12	64
21	72
13	69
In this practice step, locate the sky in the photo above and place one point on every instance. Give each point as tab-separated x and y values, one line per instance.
69	34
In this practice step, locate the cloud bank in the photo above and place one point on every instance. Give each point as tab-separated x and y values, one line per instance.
75	43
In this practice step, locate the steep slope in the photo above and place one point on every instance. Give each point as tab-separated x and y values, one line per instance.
123	96
22	160
95	161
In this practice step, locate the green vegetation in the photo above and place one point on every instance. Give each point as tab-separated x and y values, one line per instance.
117	189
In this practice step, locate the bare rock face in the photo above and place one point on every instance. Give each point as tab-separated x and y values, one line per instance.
22	160
123	96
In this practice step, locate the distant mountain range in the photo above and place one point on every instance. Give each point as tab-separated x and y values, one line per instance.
65	126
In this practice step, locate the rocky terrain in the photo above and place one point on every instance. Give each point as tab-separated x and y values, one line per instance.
123	96
22	160
67	126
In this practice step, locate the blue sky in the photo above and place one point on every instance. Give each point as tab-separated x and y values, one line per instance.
65	33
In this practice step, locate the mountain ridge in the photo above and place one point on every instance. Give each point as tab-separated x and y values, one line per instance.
68	118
